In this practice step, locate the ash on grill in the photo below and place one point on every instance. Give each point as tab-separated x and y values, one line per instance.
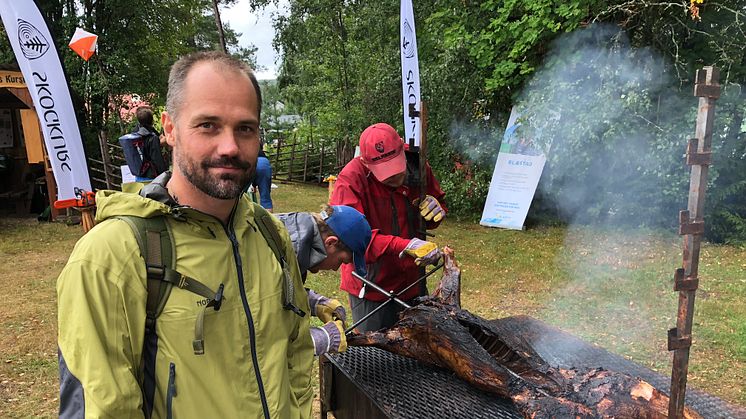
438	332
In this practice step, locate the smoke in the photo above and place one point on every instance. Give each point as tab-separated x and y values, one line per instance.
477	143
613	125
619	292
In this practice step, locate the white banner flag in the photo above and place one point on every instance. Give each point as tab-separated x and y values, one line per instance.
410	74
41	67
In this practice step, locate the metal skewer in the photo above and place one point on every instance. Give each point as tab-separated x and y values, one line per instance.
391	296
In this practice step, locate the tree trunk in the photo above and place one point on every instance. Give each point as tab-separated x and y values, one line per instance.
219	24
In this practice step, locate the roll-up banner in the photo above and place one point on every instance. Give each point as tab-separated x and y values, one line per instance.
410	72
514	180
40	64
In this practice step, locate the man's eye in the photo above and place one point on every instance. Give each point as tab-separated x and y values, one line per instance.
206	125
247	129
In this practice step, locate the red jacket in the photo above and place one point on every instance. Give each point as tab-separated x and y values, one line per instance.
357	187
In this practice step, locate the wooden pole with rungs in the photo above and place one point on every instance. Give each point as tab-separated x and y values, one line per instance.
692	227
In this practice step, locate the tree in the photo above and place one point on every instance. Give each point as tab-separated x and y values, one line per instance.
139	40
478	59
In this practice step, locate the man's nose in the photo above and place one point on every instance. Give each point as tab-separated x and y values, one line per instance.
227	143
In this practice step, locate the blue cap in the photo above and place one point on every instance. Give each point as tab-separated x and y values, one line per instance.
353	230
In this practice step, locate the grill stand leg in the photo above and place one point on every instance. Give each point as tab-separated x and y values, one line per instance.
326	386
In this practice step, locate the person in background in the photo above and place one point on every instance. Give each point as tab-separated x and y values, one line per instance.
232	338
323	241
263	179
374	184
142	148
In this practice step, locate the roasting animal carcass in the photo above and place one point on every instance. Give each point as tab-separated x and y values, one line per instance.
438	332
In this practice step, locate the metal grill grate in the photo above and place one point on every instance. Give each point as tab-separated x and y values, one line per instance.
404	388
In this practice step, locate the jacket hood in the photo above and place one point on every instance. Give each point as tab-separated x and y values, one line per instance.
114	203
306	239
151	201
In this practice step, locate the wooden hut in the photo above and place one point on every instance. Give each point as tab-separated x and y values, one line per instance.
26	179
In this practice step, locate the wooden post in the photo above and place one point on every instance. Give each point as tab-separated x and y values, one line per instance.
321	162
103	143
87	217
691	226
331	179
51	183
326	384
292	158
338	153
422	160
277	159
305	162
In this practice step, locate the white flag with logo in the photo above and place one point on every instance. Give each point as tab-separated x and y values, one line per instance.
410	72
36	55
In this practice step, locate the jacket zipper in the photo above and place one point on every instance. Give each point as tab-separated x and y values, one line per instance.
252	338
171	392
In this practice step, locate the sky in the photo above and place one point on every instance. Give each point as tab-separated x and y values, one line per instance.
255	28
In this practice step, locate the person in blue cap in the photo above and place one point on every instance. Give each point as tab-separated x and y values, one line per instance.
323	242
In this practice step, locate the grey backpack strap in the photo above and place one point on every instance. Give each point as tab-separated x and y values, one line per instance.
269	230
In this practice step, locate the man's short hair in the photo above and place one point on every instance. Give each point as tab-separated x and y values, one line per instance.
180	71
144	116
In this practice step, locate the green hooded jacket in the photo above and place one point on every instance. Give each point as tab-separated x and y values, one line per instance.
258	356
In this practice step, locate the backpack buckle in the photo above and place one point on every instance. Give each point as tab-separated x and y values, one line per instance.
155	271
294	309
218	298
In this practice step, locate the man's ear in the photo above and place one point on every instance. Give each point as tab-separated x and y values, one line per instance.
168	128
331	241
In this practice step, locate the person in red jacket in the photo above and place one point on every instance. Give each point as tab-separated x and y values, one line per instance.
374	184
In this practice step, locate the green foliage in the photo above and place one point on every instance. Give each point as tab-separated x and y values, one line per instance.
467	188
725	213
614	120
341	66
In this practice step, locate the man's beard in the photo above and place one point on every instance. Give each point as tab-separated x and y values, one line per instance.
224	186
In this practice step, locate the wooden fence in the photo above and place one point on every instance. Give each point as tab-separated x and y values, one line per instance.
291	159
296	161
105	173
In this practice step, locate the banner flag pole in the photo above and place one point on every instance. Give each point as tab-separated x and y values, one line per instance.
410	70
41	67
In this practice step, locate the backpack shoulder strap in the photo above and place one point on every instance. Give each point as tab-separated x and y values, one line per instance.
269	231
155	240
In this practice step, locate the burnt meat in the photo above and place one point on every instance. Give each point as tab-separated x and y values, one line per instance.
436	331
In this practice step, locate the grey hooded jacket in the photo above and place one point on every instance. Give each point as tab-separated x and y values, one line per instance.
306	238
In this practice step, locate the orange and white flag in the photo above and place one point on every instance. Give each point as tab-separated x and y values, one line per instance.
83	43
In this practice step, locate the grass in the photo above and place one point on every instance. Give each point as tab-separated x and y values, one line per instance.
610	287
33	256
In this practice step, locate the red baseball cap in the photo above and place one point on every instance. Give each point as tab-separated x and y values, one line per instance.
382	151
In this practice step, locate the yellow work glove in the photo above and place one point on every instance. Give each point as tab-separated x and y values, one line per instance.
423	252
331	310
326	309
329	338
431	210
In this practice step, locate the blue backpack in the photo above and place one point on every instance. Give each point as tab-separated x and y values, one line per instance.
142	151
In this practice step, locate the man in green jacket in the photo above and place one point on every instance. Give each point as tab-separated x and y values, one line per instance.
241	352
